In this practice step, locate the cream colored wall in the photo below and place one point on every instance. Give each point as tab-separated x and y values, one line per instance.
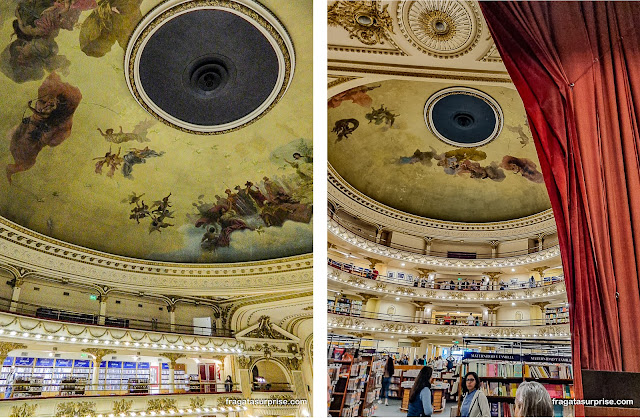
402	308
508	313
444	246
511	246
400	240
52	295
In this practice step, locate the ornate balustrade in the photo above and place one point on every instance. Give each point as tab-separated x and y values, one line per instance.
398	254
363	327
377	288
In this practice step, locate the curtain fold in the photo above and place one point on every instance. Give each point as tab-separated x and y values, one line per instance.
576	66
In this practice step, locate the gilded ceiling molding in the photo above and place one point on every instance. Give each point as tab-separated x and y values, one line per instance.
442	28
364	20
491	55
235	307
339	80
356	203
341	48
25	249
404	71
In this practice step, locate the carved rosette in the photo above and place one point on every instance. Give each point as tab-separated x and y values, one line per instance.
364	20
244	362
441	28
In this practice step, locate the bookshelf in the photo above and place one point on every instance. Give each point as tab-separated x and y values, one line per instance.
500	375
53	374
351	379
345	306
373	384
558	315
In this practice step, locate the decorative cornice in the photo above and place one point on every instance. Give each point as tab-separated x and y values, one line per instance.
376	213
21	248
396	254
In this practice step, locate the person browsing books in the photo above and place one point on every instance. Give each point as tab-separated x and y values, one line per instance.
420	396
386	380
475	403
533	400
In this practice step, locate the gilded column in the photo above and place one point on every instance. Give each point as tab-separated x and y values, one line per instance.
173	358
103	309
98	354
15	294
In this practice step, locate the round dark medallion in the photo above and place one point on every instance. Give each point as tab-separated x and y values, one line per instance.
209	69
463	117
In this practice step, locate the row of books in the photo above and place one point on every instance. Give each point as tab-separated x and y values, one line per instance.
554	371
496	369
499	388
559	391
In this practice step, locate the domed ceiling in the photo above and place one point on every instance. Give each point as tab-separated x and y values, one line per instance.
449	153
102	154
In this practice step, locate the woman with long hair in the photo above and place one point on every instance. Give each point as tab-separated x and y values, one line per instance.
420	396
475	403
386	380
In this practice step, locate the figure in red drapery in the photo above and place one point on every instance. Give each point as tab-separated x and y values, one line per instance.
576	66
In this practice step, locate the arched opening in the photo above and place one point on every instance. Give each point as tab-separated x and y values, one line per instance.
268	375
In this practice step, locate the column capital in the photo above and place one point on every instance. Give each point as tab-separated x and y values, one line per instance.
172	357
494	244
420	304
425	272
541	305
98	353
492	274
7	347
103	298
367	296
373	262
540	270
428	240
171	308
491	306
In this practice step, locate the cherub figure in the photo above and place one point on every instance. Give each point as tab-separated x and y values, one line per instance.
110	160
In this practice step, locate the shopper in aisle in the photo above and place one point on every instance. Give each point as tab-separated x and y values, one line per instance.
475	403
420	396
533	400
386	380
439	365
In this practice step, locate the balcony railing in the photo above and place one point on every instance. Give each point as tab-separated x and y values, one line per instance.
65	315
424	283
359	231
452	320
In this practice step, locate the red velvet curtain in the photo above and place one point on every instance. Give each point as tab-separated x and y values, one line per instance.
576	66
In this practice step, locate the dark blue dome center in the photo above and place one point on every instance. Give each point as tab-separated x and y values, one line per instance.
463	118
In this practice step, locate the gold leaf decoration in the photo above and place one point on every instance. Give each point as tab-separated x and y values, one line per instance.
362	19
122	406
24	410
75	409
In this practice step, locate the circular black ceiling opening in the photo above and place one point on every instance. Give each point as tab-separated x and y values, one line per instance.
208	67
463	117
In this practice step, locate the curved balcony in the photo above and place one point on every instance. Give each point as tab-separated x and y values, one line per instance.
372	247
357	230
451	321
360	326
426	284
186	404
67	316
381	287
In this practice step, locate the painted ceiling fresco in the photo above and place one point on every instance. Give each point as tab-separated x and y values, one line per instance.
380	144
86	164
